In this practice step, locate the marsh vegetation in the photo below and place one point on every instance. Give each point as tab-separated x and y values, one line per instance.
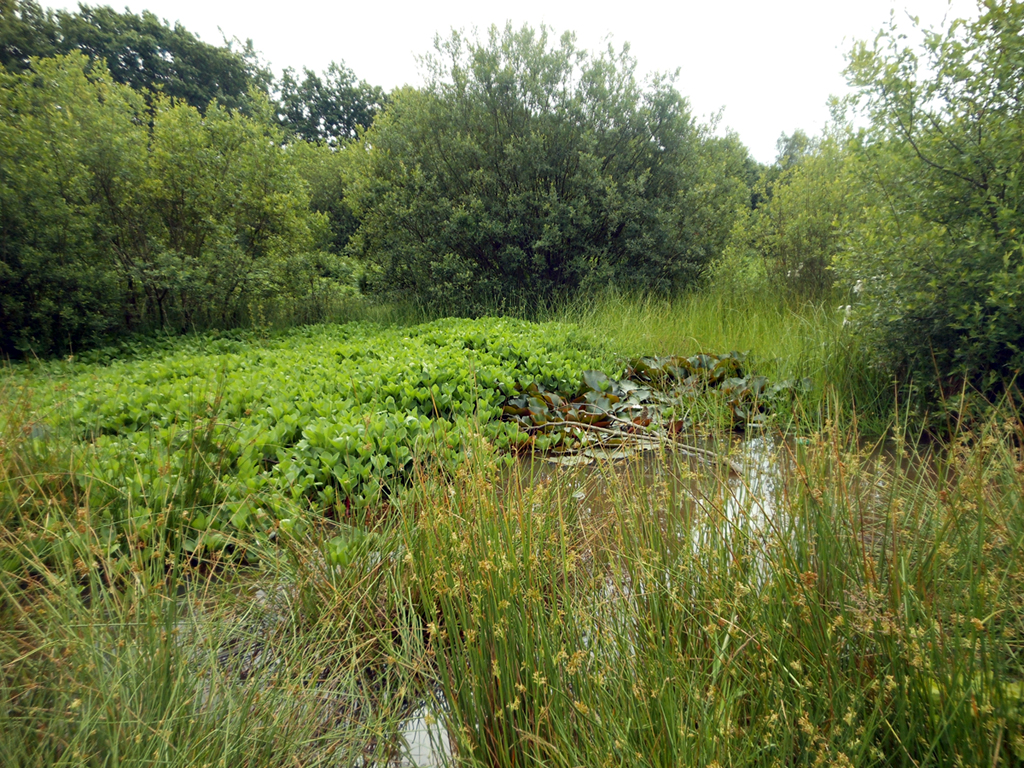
516	420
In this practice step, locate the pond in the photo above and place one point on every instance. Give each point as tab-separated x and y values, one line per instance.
742	482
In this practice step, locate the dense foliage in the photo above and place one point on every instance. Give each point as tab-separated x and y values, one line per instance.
322	169
328	108
804	207
116	215
939	262
335	419
783	602
526	169
141	51
331	417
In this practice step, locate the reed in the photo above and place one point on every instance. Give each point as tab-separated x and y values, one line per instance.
817	599
853	609
784	339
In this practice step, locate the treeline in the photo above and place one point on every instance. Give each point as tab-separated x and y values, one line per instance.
117	215
147	54
150	180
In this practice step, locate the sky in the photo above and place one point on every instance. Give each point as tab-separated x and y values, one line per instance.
768	66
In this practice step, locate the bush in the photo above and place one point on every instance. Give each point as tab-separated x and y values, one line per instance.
939	260
526	170
116	215
804	209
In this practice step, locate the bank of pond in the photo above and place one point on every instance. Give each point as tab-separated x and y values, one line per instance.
493	542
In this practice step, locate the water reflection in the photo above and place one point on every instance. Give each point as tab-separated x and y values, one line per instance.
737	479
752	493
425	740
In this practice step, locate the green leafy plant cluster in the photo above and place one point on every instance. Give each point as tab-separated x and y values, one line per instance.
329	418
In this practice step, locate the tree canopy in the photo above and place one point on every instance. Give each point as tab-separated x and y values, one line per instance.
328	108
140	51
939	261
118	215
527	168
803	210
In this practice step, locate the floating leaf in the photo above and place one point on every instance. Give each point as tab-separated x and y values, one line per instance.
597	380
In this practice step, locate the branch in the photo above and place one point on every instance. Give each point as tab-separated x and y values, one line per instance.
700	453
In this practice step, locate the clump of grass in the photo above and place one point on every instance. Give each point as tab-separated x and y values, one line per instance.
856	612
785	339
709	321
148	654
141	675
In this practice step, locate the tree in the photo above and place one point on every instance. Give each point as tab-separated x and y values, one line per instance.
805	208
25	30
61	132
117	214
323	169
527	169
329	109
790	150
140	51
216	210
939	261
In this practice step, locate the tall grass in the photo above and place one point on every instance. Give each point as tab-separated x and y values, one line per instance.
873	616
785	340
146	655
829	604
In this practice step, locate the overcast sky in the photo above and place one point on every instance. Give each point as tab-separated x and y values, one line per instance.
769	64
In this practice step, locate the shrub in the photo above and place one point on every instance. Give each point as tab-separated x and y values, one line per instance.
526	169
117	215
804	209
939	260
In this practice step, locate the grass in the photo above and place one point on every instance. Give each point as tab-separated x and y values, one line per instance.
708	322
785	340
874	618
134	660
833	604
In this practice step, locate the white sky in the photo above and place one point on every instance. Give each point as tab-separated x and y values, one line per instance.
771	64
